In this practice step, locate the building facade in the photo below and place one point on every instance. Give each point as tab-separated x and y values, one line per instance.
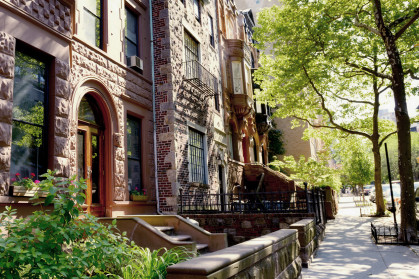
76	97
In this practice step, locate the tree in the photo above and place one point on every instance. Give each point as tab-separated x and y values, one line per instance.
392	154
315	173
276	144
328	64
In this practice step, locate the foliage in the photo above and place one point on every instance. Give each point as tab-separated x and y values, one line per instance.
276	145
62	241
153	264
393	158
138	192
315	173
330	62
26	182
65	242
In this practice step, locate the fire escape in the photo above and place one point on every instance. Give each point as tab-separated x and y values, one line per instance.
199	77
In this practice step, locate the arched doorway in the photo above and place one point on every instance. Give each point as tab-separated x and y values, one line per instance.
90	154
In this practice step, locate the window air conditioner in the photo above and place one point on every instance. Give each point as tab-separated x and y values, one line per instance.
135	63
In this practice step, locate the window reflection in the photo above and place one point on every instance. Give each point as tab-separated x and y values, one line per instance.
134	153
29	127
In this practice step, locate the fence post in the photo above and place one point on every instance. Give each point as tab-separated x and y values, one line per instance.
181	200
307	201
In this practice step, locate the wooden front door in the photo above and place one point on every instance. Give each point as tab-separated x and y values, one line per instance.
90	155
90	166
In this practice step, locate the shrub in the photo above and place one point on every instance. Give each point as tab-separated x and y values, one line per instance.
152	265
62	242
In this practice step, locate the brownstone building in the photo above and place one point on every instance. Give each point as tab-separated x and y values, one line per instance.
76	97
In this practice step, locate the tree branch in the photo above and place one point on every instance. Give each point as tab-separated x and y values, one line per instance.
387	87
386	137
329	114
368	70
353	101
408	24
401	19
412	75
365	26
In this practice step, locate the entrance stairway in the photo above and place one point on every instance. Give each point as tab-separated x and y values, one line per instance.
157	231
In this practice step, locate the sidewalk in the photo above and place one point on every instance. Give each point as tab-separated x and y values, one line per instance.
349	252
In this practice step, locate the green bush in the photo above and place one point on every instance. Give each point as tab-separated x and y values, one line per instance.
65	242
152	265
62	242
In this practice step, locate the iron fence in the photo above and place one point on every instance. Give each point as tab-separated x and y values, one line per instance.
202	202
390	234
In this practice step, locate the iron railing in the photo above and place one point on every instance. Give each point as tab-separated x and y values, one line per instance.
202	202
200	77
390	234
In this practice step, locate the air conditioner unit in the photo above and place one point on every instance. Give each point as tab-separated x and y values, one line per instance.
135	63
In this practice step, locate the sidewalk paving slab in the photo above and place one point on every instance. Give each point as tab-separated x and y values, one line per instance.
348	251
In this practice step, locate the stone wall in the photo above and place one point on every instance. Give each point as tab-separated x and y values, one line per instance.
122	85
308	238
52	13
243	227
7	66
271	256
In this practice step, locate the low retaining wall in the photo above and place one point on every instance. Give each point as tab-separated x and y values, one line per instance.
275	255
307	236
241	227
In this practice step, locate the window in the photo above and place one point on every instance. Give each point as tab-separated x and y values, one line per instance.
30	103
131	33
93	22
134	153
211	30
197	10
237	77
197	156
191	48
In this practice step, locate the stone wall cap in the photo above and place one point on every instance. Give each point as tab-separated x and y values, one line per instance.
302	222
212	262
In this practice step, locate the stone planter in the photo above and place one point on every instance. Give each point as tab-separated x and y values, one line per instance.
21	191
138	198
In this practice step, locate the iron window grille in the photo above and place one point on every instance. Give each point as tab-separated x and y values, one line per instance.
197	156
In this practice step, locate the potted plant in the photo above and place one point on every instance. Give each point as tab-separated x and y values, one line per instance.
25	187
138	195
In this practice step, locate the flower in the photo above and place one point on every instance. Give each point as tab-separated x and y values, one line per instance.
32	174
26	178
37	182
13	179
17	174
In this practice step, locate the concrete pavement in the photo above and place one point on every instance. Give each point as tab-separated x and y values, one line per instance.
348	251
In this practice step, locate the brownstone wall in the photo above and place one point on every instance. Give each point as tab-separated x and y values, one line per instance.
53	13
7	64
242	227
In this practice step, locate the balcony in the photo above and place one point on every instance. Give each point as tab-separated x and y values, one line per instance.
201	78
263	118
243	104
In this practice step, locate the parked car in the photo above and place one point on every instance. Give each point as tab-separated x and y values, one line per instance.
367	189
387	194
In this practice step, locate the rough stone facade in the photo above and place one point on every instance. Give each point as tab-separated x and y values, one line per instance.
7	64
179	104
53	13
78	68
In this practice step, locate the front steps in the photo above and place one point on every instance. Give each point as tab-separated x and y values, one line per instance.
157	231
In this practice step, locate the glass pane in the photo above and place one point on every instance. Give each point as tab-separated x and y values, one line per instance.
95	169
134	153
130	48
196	9
131	26
86	111
27	149
80	155
89	32
93	6
29	89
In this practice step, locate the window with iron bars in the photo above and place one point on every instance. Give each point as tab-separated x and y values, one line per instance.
197	156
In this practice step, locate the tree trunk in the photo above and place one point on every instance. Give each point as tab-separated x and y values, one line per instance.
408	216
379	200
